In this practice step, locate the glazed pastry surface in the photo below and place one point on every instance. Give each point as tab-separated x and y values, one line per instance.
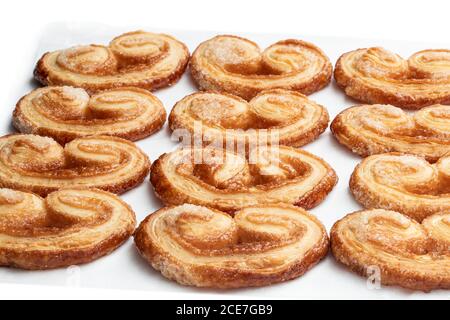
407	254
229	181
375	75
69	227
374	129
260	246
237	66
403	183
136	59
280	116
66	113
41	165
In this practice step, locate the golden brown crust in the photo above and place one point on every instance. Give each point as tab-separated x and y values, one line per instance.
135	59
277	116
375	75
403	183
40	165
407	253
237	66
228	181
374	129
69	227
202	247
67	113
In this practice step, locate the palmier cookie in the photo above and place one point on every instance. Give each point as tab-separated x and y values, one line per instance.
41	165
374	129
137	59
69	227
261	245
403	183
237	66
67	113
229	181
277	116
375	75
394	249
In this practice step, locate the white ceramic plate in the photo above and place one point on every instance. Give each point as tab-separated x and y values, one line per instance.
124	268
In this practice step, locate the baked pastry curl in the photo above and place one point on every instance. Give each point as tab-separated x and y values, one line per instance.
407	253
67	113
375	75
137	59
237	66
229	181
374	129
260	246
403	183
40	165
69	227
286	117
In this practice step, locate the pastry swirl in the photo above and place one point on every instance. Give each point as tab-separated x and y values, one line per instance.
374	129
67	113
408	254
136	59
375	75
260	246
40	165
403	183
237	66
69	227
228	181
287	117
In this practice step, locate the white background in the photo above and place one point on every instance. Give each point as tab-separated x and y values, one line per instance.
21	24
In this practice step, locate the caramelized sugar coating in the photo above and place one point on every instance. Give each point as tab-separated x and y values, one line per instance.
287	117
403	183
375	75
41	165
237	66
229	181
69	227
66	113
261	245
407	253
374	129
136	59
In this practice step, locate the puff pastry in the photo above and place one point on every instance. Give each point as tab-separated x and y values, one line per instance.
237	66
281	116
261	245
40	165
66	113
228	181
138	59
403	183
69	227
373	129
375	75
408	254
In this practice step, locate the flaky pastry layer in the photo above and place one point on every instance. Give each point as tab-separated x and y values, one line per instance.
237	66
261	245
66	113
279	116
137	59
374	129
394	249
41	165
403	183
69	227
375	75
229	181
